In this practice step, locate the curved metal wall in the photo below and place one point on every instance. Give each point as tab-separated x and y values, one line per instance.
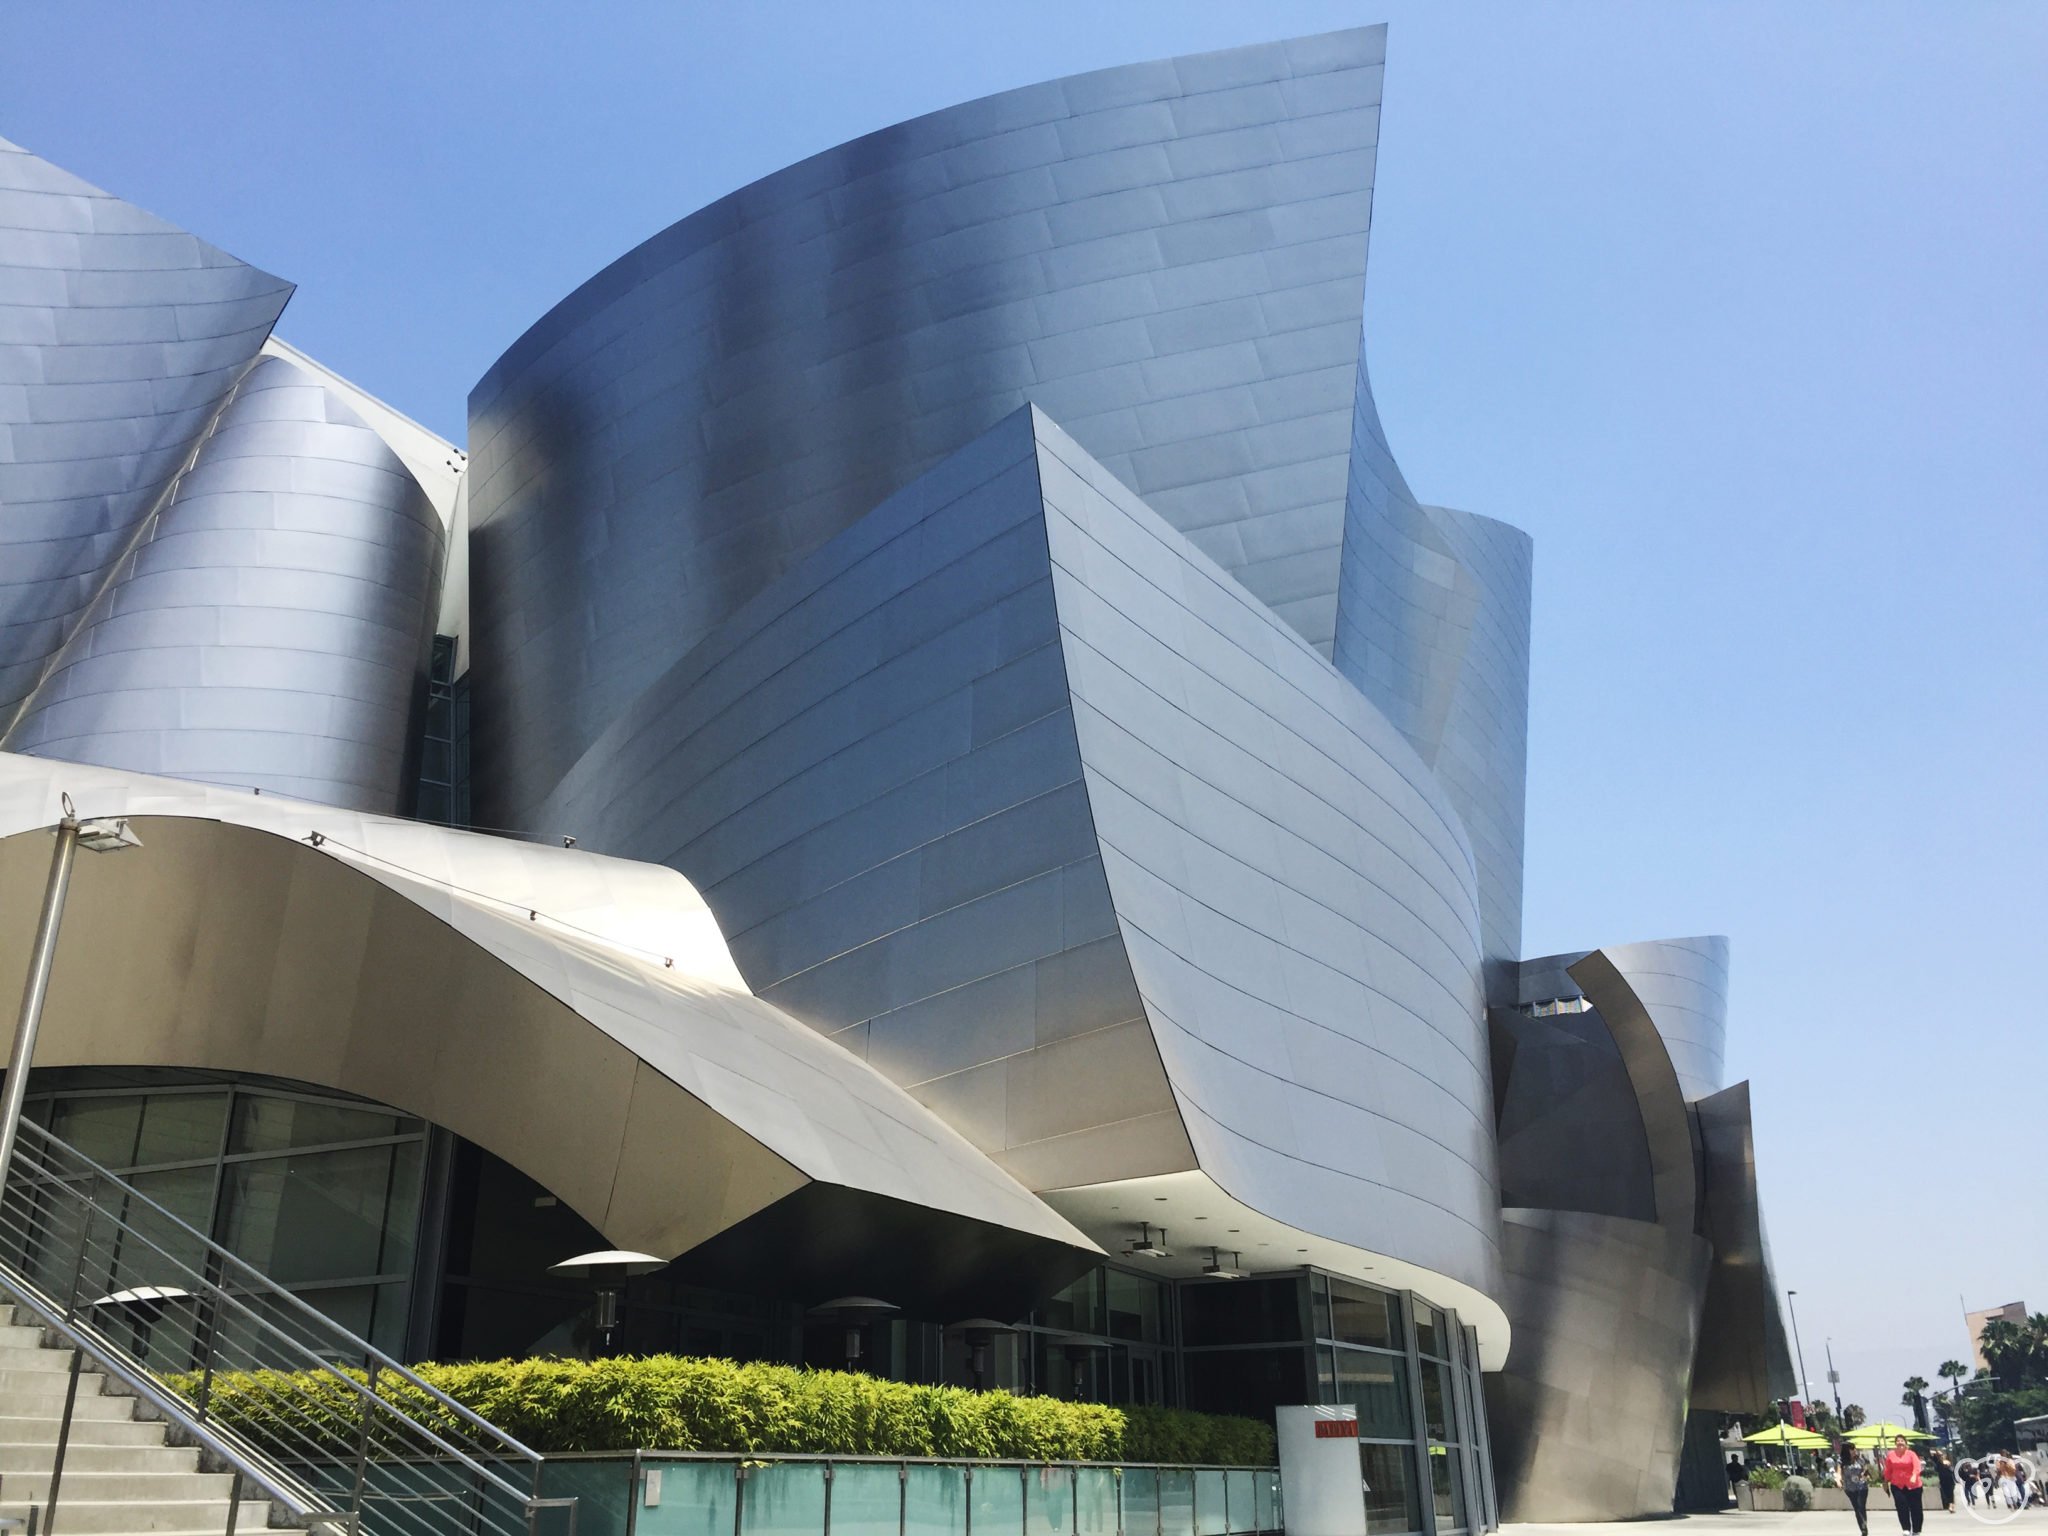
1433	614
120	336
273	625
1169	258
1683	986
1025	800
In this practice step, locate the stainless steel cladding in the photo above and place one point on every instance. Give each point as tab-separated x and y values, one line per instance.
1026	801
209	565
1169	259
271	625
1638	1276
1433	625
120	336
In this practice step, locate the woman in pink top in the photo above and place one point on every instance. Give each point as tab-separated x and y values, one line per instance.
1902	1473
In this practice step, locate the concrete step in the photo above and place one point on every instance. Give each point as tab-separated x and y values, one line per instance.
198	1517
147	1487
33	1357
143	1456
21	1336
39	1394
39	1429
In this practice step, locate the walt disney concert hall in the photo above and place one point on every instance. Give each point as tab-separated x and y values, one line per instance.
997	812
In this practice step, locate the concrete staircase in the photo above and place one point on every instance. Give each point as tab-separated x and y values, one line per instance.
121	1478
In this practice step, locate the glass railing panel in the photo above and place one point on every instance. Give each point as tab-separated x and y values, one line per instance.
602	1489
867	1498
1048	1501
1263	1512
1209	1514
1176	1502
934	1501
1141	1501
1095	1496
690	1498
783	1498
996	1501
1238	1502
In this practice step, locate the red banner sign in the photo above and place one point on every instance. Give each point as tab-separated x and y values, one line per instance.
1336	1429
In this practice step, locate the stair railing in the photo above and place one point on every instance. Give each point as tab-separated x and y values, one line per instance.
321	1422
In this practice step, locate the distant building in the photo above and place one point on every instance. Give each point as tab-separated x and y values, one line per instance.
2011	1312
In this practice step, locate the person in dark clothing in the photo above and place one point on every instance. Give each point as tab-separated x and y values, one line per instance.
1738	1474
1856	1484
1946	1473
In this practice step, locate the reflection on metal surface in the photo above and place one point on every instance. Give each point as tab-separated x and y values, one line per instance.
1745	1361
1025	800
577	1015
1638	1278
272	625
1588	1420
120	337
1168	258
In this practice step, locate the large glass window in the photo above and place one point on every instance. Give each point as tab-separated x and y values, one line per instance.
1361	1315
1241	1311
1392	1501
1377	1386
320	1193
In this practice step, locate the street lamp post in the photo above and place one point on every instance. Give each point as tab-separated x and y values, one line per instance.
1805	1391
1834	1380
103	835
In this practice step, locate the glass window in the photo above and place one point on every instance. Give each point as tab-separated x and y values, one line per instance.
264	1124
1447	1486
1319	1287
1135	1307
1248	1381
1429	1331
104	1129
1361	1315
325	1215
1392	1501
181	1127
1435	1398
1377	1385
1078	1308
1241	1311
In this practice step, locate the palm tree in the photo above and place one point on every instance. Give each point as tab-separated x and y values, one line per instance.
1915	1385
1853	1415
2036	1333
1953	1372
2004	1345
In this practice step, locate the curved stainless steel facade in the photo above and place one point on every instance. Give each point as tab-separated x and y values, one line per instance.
120	337
1168	258
210	566
1433	615
272	624
1639	1282
1019	796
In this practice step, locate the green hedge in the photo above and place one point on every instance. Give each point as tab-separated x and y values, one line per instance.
676	1403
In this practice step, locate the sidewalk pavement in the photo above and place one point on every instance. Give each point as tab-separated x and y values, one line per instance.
1823	1522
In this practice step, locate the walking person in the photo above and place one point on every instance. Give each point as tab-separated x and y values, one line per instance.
1738	1474
1967	1471
1856	1483
1902	1475
1945	1474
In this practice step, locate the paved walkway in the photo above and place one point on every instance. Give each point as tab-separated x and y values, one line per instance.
1824	1522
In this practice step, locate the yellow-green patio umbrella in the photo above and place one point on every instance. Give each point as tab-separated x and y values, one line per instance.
1785	1434
1882	1433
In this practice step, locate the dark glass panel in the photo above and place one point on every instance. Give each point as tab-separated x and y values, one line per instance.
1361	1315
1252	1382
1377	1385
104	1129
181	1127
264	1124
1393	1504
1136	1307
1241	1311
1435	1398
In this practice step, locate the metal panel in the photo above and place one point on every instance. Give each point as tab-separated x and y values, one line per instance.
1169	258
1588	1421
272	624
1683	986
1745	1358
577	1015
1024	799
120	337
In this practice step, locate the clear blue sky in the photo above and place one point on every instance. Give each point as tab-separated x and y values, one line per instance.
1741	310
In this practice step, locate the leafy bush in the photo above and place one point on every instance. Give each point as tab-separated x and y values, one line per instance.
1764	1476
1798	1494
679	1403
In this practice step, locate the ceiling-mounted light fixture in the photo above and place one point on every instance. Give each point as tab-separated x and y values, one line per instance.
1145	1247
1216	1269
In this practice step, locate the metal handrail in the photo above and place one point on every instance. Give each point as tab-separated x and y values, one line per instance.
310	1405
